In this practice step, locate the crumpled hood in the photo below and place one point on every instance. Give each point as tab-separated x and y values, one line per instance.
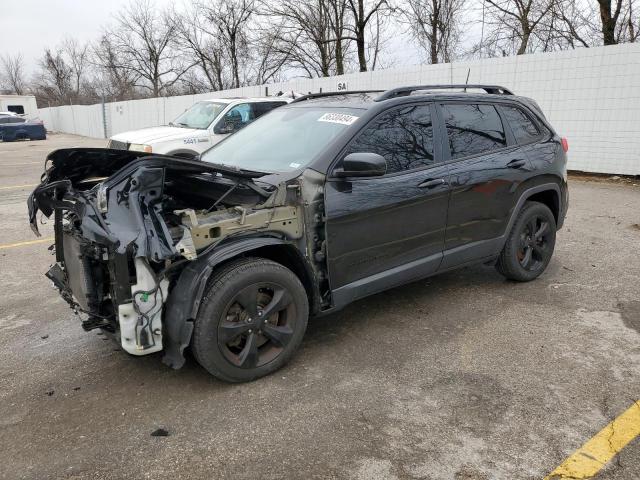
148	136
81	168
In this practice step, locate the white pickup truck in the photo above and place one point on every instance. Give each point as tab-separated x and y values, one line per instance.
198	128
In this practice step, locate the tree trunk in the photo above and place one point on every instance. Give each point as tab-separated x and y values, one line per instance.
524	42
608	22
435	15
339	57
360	42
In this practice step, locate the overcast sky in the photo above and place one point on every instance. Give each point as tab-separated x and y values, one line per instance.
30	26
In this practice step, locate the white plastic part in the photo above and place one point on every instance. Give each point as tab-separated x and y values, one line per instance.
132	324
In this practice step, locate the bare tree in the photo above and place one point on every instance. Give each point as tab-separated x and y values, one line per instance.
514	24
143	37
268	59
609	14
12	73
568	26
588	22
362	12
77	58
200	41
624	21
337	10
230	18
435	24
116	81
304	35
55	77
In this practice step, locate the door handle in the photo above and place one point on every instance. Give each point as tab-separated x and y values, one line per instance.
432	182
517	163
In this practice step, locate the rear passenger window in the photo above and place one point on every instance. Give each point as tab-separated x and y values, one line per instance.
473	129
403	136
523	128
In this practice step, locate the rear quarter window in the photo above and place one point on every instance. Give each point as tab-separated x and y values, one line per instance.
473	129
524	130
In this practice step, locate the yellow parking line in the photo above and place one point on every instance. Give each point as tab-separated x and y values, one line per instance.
12	187
22	244
589	459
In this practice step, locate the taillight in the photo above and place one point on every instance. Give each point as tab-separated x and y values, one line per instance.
565	144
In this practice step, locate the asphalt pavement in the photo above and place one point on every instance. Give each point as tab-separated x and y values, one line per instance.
461	376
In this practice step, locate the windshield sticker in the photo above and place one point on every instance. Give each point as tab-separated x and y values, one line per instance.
341	118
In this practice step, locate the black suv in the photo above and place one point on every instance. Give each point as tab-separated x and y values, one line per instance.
319	203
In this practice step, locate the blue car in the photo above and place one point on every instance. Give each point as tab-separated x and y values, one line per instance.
13	127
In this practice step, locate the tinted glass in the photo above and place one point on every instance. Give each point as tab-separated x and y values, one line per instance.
200	115
261	108
284	140
473	129
523	128
403	136
19	109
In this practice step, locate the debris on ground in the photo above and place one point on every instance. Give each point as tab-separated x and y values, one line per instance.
160	432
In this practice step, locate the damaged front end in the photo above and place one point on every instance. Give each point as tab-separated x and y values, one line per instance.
128	223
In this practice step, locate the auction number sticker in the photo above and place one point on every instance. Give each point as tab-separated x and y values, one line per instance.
341	118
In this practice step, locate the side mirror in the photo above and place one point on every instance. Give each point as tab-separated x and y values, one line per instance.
224	127
362	164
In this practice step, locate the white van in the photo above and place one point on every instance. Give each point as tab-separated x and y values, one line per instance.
198	128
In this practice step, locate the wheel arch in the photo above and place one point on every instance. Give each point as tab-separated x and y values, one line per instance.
550	198
186	296
547	193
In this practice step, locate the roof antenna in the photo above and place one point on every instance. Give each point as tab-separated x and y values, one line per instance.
467	82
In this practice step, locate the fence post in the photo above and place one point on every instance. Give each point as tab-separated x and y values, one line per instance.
73	117
104	118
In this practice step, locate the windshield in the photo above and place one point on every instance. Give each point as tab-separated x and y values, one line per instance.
283	140
200	115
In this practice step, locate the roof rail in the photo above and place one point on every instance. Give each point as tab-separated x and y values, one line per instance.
404	91
332	94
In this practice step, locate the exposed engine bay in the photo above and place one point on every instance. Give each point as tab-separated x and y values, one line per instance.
128	223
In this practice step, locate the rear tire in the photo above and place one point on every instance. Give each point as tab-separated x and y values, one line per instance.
251	321
530	244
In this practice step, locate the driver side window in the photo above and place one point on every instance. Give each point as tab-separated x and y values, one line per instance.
403	136
236	118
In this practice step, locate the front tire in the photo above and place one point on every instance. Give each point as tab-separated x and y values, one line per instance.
530	244
251	321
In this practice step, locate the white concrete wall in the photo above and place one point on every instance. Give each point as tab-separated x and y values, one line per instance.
591	96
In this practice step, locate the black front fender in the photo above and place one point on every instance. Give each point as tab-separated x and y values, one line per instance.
185	297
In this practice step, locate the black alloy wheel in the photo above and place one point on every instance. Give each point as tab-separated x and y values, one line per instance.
534	243
258	325
530	243
251	320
